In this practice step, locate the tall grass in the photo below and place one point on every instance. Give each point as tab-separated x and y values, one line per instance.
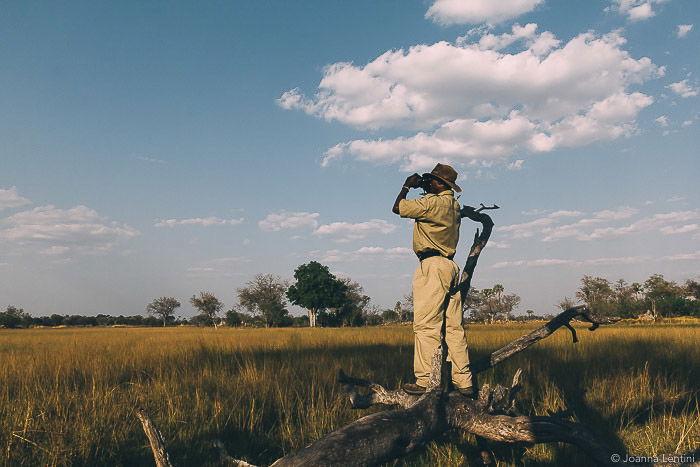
67	395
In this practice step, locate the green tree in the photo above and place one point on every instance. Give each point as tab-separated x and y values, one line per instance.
264	296
208	306
597	294
389	316
566	303
163	308
662	296
494	303
14	317
353	309
234	317
316	289
692	289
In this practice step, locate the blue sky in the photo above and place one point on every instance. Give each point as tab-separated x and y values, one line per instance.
165	148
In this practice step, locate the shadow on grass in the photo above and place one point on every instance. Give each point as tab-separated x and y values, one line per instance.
389	365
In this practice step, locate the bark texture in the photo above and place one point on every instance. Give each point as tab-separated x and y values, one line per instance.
160	454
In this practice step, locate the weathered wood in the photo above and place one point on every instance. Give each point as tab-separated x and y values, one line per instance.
380	395
382	436
479	243
581	312
160	454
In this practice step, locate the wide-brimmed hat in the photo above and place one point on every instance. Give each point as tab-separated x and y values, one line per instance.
446	174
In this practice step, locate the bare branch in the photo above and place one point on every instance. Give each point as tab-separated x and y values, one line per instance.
581	312
160	454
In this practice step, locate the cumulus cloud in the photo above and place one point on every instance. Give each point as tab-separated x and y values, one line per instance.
683	256
449	12
288	220
683	89
204	221
636	10
345	232
529	229
670	230
469	100
622	212
367	253
226	266
515	165
50	230
662	120
683	30
662	222
570	262
11	199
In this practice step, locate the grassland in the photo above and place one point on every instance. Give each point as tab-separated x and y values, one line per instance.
67	395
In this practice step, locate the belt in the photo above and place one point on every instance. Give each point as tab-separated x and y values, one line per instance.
430	253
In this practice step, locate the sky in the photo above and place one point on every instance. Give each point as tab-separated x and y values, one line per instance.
156	149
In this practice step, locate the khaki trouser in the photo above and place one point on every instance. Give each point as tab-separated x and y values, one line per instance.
434	292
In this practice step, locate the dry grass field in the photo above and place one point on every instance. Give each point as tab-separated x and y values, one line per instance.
67	396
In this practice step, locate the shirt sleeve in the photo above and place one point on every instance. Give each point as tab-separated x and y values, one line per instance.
414	208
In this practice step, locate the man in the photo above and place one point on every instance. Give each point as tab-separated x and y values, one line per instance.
435	295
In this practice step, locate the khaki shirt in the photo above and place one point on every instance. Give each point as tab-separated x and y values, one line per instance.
437	222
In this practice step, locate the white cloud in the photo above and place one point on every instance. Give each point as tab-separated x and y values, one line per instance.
662	121
515	165
288	220
676	198
683	256
590	228
11	199
346	232
467	101
226	266
50	230
535	212
683	89
569	262
636	10
687	123
499	245
529	229
655	222
683	30
367	253
204	221
623	212
152	160
670	230
449	12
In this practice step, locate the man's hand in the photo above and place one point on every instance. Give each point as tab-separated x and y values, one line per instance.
413	181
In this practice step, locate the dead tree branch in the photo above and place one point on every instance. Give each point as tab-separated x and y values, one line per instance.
160	454
480	241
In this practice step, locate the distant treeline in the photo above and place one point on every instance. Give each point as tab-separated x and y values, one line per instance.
14	317
657	297
330	301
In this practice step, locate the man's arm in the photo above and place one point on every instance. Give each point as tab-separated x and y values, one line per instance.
411	182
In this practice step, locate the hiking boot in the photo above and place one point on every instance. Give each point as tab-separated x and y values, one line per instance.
469	392
414	389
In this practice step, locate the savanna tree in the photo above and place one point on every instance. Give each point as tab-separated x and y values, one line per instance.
353	309
163	308
265	296
208	306
316	289
491	304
